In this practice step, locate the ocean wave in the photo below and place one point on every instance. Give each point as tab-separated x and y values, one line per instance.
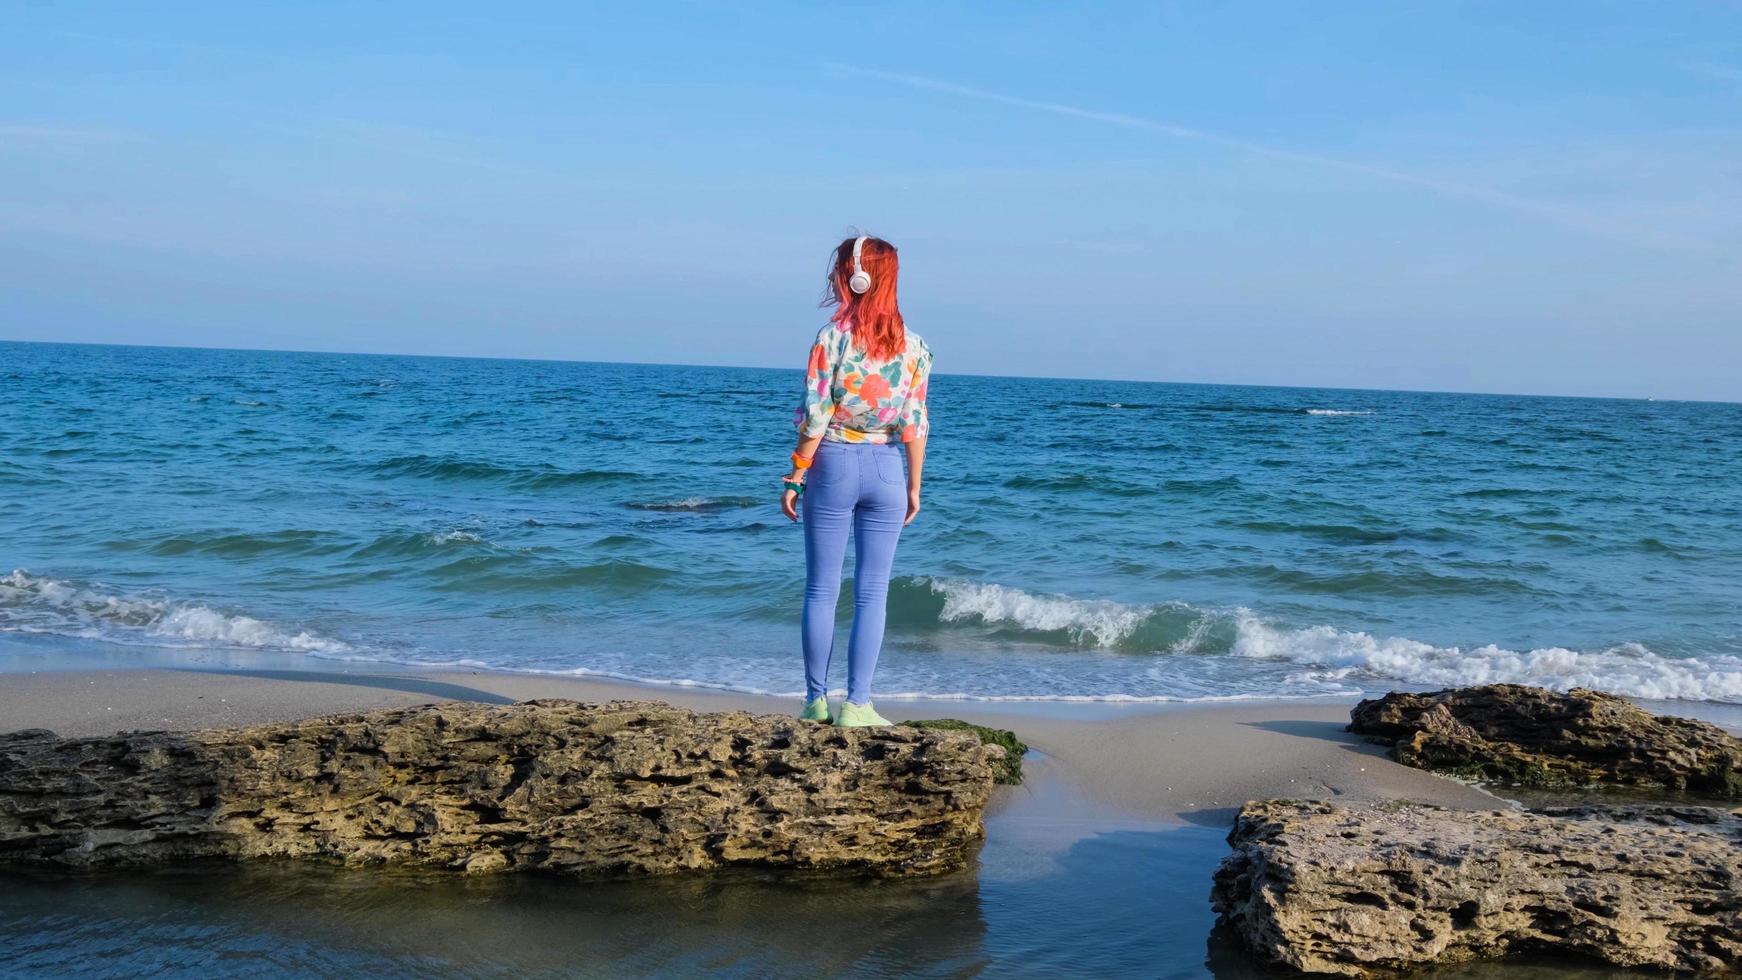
34	604
1335	533
700	505
1237	409
1050	619
1123	405
1402	582
439	538
1657	546
1332	657
1077	483
419	544
441	468
460	470
513	573
1205	486
237	545
1313	659
1275	410
1504	492
1088	621
16	474
1628	669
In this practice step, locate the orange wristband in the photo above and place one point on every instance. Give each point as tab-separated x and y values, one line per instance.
801	462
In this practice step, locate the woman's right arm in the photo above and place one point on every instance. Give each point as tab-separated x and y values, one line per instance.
807	449
814	412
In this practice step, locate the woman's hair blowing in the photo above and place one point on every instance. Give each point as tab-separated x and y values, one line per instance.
874	316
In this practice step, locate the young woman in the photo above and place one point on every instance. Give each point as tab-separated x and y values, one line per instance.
864	400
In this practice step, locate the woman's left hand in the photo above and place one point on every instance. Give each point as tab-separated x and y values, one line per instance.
789	504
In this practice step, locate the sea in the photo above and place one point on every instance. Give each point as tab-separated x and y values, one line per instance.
1080	540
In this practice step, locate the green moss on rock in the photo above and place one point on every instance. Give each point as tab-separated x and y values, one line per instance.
1010	771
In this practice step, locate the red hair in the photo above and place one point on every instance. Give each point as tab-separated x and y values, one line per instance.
874	317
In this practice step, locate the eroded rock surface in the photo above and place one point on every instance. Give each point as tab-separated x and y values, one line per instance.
1371	891
624	787
1009	770
1535	737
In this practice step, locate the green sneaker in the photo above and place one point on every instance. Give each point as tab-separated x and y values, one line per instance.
859	716
817	709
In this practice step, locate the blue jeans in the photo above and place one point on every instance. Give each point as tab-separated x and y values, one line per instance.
860	487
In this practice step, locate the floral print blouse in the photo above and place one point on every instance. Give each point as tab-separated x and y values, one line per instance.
850	396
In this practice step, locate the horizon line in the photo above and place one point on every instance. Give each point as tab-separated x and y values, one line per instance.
959	374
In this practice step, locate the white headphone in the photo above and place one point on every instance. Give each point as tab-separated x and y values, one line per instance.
861	280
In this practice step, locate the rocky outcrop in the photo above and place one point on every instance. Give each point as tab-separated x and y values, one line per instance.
1009	770
1533	737
1369	892
618	788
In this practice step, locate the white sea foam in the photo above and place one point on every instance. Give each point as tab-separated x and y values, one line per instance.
1337	658
689	683
1107	622
694	504
33	604
1627	668
688	503
455	537
1330	661
1337	411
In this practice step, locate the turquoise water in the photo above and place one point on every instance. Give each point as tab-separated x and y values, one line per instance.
1081	539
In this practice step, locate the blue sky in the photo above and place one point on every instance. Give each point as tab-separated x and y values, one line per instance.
1541	197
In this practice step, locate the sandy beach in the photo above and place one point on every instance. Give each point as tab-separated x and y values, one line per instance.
1109	845
1191	763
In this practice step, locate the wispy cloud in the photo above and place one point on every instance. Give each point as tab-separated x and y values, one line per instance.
1573	217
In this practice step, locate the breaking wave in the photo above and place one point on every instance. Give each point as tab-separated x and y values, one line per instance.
1318	658
33	604
1328	656
695	505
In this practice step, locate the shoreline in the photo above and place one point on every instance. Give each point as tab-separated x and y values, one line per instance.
1125	809
1162	763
